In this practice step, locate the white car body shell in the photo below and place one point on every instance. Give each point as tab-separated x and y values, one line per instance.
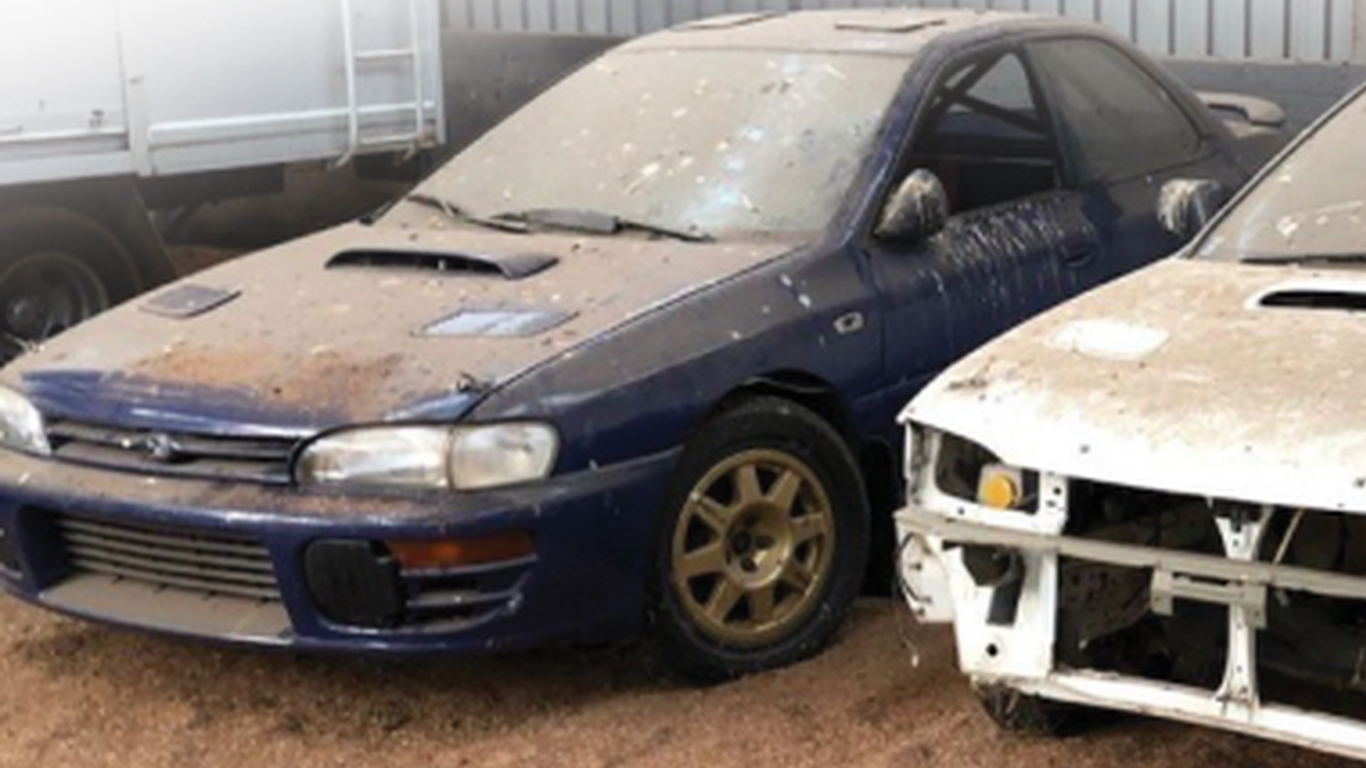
1179	379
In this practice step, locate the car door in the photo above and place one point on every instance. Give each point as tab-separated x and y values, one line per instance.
1123	134
1016	242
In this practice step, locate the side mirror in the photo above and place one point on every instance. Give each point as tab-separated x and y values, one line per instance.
918	209
1185	206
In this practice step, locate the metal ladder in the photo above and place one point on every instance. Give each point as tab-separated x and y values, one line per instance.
356	59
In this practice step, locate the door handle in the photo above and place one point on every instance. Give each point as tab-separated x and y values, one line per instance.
1079	253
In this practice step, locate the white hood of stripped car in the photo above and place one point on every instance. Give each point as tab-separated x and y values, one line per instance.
1175	378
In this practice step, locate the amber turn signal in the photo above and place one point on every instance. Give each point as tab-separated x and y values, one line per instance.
1000	488
439	554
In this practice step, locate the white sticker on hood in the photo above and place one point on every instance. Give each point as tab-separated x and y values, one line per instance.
1110	339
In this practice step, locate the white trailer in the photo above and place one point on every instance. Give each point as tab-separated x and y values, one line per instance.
107	103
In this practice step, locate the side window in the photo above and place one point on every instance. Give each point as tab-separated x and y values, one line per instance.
1115	121
984	135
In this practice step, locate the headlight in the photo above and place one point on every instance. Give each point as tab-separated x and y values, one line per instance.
502	454
398	457
433	458
21	425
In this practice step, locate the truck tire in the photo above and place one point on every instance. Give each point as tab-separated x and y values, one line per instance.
57	268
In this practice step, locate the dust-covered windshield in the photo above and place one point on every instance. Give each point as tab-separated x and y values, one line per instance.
715	143
1311	207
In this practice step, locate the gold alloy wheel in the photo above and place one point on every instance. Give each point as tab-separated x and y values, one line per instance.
753	548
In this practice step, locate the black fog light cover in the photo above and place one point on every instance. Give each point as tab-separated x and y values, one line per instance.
353	583
9	553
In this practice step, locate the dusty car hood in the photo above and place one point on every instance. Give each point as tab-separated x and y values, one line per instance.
305	346
1178	378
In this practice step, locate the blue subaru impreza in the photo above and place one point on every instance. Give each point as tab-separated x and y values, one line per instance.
629	362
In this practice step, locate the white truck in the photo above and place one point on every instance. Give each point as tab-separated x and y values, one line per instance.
109	106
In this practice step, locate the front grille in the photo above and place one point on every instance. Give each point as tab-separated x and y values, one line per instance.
182	454
205	563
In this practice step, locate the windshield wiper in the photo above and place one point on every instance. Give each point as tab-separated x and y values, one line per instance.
456	213
1309	258
595	222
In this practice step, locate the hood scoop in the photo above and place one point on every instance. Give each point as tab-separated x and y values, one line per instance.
1338	299
892	25
728	21
510	267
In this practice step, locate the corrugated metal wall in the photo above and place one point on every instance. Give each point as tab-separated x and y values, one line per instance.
1257	30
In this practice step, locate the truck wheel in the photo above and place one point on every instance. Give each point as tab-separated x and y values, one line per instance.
1020	713
764	545
56	270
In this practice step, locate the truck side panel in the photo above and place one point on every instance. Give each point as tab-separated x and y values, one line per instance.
163	87
62	109
222	85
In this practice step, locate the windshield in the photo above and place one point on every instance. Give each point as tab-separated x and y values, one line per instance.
700	141
1311	206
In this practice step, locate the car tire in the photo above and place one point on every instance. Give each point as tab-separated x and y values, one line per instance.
764	542
1020	713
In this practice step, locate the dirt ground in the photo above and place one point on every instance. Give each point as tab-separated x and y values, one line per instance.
77	695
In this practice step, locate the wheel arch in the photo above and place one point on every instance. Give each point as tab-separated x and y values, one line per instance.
876	459
806	389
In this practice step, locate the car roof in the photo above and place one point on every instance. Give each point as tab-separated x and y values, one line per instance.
887	31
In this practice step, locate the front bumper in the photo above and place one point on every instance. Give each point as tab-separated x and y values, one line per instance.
584	582
1016	663
1026	648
